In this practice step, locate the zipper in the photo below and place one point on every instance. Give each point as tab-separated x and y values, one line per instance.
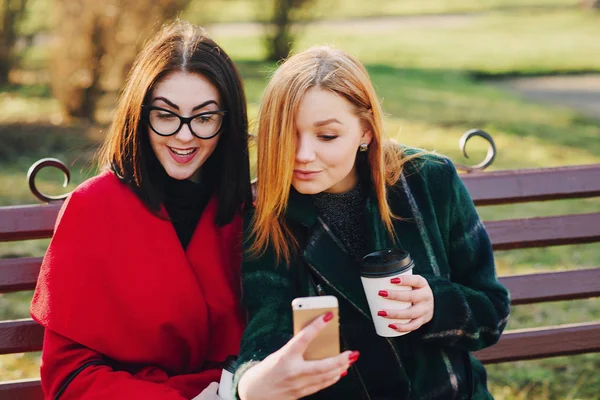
355	372
316	272
73	374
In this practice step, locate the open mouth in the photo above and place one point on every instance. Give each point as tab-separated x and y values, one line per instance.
183	152
183	156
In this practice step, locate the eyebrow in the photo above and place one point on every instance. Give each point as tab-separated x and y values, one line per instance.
175	106
327	122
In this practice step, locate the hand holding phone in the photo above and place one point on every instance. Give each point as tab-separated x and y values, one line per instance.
306	310
287	375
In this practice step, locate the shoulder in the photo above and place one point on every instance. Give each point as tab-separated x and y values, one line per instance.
431	168
97	193
104	184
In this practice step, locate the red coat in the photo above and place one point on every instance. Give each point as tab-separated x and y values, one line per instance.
116	287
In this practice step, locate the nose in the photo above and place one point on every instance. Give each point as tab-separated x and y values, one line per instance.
185	134
305	152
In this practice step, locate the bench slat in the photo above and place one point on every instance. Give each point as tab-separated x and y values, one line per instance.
544	231
528	344
18	274
553	286
517	186
20	336
28	222
22	389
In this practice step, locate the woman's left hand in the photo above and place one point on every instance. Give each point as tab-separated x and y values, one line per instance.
421	297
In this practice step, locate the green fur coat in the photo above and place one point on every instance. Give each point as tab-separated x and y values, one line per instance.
441	230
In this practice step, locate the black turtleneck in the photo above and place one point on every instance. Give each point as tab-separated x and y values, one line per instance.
185	200
345	214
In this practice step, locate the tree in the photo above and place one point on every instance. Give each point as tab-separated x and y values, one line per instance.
12	12
96	42
591	4
279	38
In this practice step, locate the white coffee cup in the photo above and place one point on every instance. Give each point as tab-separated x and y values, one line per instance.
377	271
226	383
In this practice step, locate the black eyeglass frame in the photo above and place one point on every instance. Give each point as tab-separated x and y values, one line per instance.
182	120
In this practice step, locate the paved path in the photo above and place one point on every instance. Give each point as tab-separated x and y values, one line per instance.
579	92
375	24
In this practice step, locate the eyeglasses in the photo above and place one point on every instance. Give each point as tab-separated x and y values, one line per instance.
205	125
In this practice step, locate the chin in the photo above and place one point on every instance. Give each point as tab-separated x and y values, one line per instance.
179	175
308	188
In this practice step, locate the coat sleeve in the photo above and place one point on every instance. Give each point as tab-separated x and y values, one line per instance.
72	371
471	307
267	294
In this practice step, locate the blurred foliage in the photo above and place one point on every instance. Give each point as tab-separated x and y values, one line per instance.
430	66
279	38
96	40
11	13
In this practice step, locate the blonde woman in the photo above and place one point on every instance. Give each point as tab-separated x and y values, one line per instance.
330	190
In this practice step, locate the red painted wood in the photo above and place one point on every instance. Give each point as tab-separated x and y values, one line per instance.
20	336
528	344
18	274
544	231
28	222
553	286
516	186
22	389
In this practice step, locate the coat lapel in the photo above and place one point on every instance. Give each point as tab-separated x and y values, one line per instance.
326	256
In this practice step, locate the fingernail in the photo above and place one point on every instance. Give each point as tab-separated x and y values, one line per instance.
353	357
328	317
344	374
393	326
396	280
382	313
383	293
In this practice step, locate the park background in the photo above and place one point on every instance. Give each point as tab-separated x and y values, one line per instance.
526	71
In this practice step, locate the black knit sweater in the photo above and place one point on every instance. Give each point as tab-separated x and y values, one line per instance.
185	202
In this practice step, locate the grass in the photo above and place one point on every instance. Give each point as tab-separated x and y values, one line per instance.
521	42
210	11
429	80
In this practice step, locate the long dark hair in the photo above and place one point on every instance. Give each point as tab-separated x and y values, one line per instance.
181	46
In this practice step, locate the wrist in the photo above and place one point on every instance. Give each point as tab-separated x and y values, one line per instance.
242	381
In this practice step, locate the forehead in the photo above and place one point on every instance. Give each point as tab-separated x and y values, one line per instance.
319	104
185	86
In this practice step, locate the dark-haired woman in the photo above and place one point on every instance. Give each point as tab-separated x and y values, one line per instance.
139	289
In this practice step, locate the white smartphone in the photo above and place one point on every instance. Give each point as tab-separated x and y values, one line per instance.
305	310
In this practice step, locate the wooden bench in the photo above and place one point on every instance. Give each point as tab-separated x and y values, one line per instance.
490	188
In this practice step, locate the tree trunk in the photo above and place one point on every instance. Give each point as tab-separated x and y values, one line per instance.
97	42
280	41
591	4
12	11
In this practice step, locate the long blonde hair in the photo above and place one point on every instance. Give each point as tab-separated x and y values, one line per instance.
330	69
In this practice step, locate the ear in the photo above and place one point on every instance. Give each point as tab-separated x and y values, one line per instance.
367	136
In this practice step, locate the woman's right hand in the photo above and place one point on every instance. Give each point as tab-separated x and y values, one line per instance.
286	375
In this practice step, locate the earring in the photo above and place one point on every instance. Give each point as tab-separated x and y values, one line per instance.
363	147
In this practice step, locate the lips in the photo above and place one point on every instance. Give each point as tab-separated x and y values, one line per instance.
183	156
305	175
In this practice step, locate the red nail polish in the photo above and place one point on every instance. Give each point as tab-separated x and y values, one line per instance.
393	326
396	280
328	317
383	293
344	374
382	313
353	357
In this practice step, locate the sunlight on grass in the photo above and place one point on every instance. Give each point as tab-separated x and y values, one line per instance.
428	76
525	42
